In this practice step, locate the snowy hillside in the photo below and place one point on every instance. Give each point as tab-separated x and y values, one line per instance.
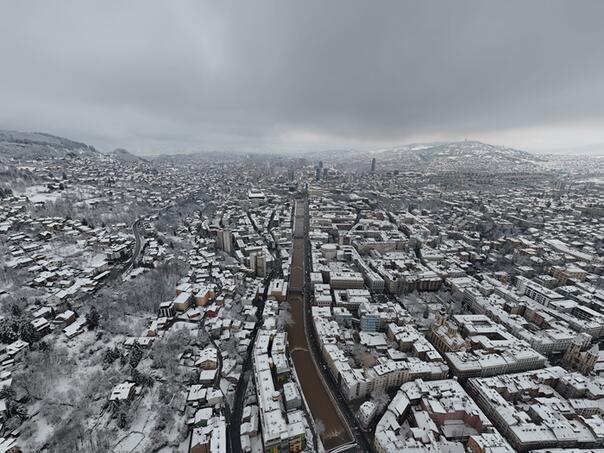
466	155
36	145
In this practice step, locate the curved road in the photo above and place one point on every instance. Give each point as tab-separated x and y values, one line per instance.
138	243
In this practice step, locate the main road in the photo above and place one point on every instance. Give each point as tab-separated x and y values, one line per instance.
122	269
138	242
336	436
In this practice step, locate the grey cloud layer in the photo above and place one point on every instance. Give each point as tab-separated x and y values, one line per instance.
260	74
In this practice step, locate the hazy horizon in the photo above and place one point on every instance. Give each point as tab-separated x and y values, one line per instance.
587	150
157	78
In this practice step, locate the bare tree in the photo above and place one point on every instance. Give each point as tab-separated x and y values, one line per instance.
380	398
284	318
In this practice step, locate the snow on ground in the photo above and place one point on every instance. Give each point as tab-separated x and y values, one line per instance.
129	443
141	436
43	428
65	386
135	273
69	249
96	260
40	194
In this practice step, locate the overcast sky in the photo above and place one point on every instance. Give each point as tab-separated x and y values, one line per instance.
282	75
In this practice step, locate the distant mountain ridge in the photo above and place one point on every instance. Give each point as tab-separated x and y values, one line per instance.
473	148
442	156
436	156
37	145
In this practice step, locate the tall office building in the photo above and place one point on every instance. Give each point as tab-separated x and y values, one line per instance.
260	263
373	165
224	240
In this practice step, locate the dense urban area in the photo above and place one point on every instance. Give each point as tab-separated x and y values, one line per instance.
430	298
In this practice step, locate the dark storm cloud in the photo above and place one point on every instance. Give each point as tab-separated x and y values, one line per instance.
289	75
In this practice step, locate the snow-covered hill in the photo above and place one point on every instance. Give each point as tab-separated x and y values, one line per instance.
453	156
37	145
122	155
